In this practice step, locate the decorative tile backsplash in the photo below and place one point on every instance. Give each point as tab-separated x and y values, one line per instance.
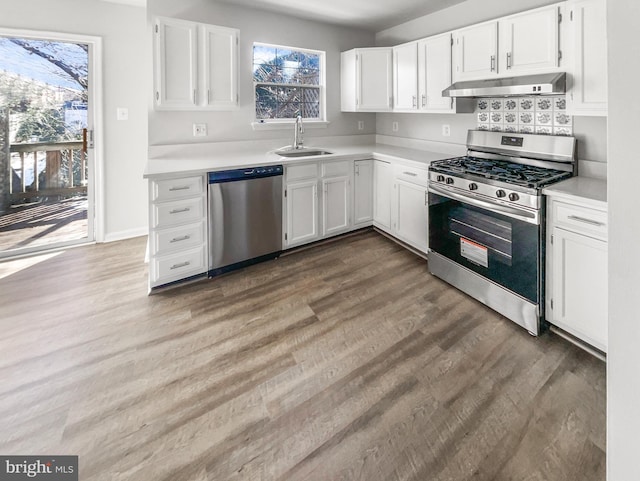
529	115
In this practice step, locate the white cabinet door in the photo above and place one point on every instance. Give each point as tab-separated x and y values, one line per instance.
579	272
363	192
374	79
476	51
382	187
412	214
529	41
405	77
220	52
335	205
302	212
176	60
588	92
434	73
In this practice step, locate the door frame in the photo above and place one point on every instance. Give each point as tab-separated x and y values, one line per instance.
95	209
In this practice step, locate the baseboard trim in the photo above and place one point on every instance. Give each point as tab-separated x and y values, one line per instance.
125	234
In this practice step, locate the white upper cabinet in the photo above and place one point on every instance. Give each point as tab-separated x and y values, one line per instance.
220	66
366	80
529	41
525	43
405	77
434	75
476	51
196	66
588	83
176	59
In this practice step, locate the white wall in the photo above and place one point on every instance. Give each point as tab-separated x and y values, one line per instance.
257	26
591	132
126	67
623	363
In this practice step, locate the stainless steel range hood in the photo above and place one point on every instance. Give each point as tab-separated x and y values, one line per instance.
543	84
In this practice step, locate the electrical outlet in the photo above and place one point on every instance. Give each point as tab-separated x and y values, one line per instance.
446	130
122	113
395	126
199	130
360	124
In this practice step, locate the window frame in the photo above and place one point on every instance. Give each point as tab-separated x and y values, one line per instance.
321	120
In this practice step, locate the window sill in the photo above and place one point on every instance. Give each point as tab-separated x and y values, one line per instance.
287	125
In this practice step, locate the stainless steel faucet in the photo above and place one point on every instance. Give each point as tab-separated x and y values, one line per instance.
298	140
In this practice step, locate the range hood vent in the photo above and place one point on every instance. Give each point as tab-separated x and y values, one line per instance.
544	84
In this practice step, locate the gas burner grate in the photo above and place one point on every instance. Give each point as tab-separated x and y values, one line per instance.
501	170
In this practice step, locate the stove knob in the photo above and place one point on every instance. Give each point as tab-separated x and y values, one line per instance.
473	186
513	196
449	180
500	193
440	178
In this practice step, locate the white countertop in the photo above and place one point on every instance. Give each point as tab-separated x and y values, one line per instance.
585	190
166	161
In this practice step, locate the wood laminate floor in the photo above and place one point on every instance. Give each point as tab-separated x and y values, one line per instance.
347	361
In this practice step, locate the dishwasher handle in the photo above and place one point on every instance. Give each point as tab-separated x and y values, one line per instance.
244	174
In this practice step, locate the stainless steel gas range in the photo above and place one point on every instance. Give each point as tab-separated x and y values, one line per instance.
487	219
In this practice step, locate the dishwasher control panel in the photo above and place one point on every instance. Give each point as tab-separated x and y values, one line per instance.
246	173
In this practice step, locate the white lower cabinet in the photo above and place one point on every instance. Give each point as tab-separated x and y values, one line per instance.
401	203
335	205
363	193
577	272
177	229
318	201
302	212
410	206
412	214
382	189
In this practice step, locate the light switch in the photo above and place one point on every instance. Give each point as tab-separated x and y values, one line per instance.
122	113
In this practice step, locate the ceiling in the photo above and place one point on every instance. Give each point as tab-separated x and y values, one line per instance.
135	3
374	15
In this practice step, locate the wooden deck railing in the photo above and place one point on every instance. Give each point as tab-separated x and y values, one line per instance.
65	171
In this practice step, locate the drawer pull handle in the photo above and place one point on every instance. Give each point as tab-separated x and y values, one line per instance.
412	174
182	264
182	187
180	239
586	221
178	211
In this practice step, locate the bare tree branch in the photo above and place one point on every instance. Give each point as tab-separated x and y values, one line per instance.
74	74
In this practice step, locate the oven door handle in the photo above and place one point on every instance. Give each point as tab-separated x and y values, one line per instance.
526	216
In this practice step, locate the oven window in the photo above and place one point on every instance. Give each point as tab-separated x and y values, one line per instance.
500	248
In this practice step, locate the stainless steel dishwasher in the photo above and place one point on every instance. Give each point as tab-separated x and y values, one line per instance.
245	217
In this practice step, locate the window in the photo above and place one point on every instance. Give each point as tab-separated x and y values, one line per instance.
288	82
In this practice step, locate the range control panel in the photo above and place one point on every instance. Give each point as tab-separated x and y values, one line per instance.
499	194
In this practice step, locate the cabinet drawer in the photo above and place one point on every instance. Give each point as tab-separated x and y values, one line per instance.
177	238
173	267
302	171
412	174
170	189
582	220
334	169
177	212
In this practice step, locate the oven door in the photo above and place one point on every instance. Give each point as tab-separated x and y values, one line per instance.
503	247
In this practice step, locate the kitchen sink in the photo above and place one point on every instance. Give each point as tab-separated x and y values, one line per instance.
302	152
